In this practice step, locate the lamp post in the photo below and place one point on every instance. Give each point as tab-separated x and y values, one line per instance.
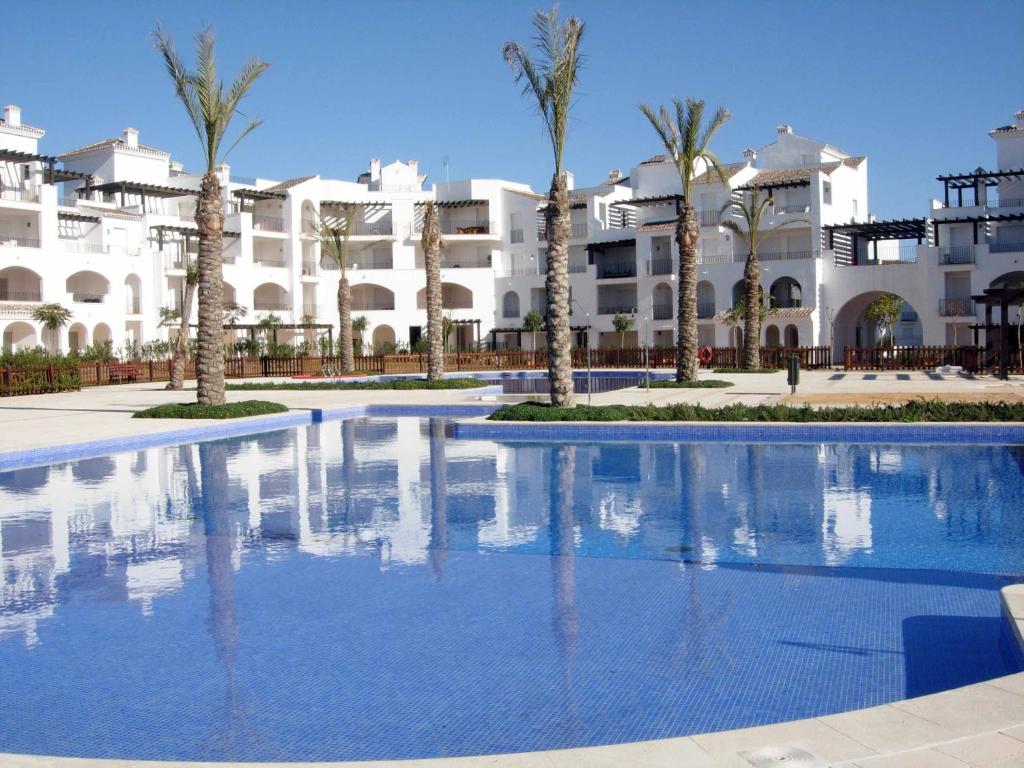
587	314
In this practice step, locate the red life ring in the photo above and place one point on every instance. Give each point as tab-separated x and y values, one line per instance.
704	354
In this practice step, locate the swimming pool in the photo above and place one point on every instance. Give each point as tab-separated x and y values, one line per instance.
373	588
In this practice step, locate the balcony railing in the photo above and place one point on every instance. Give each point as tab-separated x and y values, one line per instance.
88	298
711	218
613	269
19	242
1007	202
662	311
782	255
509	314
793	208
276	261
1006	247
705	309
76	246
659	267
521	271
715	258
956	307
577	268
20	296
616	308
19	194
579	229
263	223
362	305
453	261
454	228
271	306
956	254
515	235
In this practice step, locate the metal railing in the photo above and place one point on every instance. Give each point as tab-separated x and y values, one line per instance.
613	269
715	258
509	313
453	261
710	218
956	254
783	255
19	242
1006	247
616	309
21	296
793	208
454	228
956	307
579	229
271	306
76	246
526	271
663	311
705	309
1008	202
19	194
577	268
276	260
659	266
372	306
263	223
88	298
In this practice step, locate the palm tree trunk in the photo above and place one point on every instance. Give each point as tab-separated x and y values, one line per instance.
210	336
348	360
686	343
752	313
436	336
180	354
556	222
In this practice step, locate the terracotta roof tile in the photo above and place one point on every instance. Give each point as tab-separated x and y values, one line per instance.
654	160
711	177
282	186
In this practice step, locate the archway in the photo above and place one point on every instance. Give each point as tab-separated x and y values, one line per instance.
853	329
370	296
453	296
270	297
101	334
792	336
88	287
738	291
510	304
310	215
20	284
383	339
662	299
705	299
20	335
78	337
771	336
133	294
786	292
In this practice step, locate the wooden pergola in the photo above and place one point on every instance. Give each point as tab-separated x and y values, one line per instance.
51	172
1004	298
873	231
142	189
252	328
973	181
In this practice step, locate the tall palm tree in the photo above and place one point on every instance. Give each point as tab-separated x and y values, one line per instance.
179	353
52	317
431	242
687	143
551	78
210	110
751	208
333	235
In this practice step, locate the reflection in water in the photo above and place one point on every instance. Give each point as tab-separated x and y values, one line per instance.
438	498
562	527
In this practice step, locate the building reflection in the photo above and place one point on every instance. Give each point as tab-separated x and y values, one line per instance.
139	526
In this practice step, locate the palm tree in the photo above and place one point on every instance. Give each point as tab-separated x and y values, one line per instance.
359	326
334	236
431	242
210	110
752	209
52	317
179	352
551	79
687	144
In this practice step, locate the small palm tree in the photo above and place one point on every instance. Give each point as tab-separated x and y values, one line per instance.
359	326
687	144
210	110
551	79
179	353
436	337
622	324
53	317
334	234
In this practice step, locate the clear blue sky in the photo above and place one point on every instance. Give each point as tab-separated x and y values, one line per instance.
913	85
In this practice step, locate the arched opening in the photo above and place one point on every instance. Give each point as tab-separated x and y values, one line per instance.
738	291
510	304
78	337
771	336
101	334
662	301
133	295
383	339
309	217
230	294
1009	280
270	297
786	292
453	296
705	299
369	297
792	336
20	284
20	336
88	287
853	329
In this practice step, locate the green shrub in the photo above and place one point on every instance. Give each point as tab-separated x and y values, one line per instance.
746	370
197	411
700	384
400	384
916	411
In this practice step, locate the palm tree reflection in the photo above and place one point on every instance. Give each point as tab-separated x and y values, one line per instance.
565	622
438	499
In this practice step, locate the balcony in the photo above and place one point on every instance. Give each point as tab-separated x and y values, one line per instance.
262	223
705	310
616	308
456	228
76	246
577	268
662	311
133	306
19	194
716	258
957	308
791	208
468	261
578	229
88	298
18	242
271	306
7	295
659	267
1006	247
957	254
710	218
783	255
1009	202
607	270
276	260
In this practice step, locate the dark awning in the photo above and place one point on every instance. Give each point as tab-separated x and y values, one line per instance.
257	194
140	188
454	203
191	231
609	244
641	202
75	216
988	178
894	229
982	218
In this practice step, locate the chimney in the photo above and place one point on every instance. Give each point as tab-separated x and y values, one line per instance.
1019	116
131	137
375	169
750	156
12	114
570	181
614	175
784	128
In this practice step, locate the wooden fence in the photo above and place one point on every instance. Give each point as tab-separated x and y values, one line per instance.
971	359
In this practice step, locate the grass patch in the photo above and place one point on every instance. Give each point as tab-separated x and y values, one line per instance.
747	370
915	411
346	385
699	384
197	411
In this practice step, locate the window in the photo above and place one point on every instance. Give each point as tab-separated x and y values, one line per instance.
826	192
855	212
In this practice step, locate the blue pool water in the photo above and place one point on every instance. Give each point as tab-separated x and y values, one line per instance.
374	589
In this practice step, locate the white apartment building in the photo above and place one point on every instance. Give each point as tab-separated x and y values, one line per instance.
104	230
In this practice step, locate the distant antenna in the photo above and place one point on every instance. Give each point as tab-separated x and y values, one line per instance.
447	181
